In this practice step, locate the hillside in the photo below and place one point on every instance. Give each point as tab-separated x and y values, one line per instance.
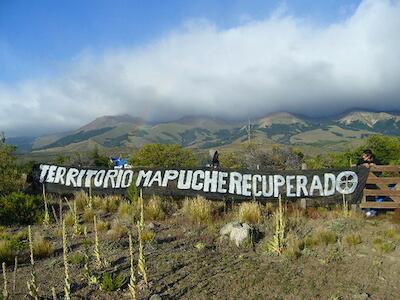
202	132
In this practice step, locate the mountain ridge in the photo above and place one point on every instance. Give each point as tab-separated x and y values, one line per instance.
213	132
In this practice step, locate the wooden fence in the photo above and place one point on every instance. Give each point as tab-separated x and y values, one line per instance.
382	189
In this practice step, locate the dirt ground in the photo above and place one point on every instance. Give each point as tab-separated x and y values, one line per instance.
192	262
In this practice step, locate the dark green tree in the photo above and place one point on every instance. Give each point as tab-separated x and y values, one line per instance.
10	178
167	156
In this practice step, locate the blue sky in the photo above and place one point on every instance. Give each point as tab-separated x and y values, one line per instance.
36	37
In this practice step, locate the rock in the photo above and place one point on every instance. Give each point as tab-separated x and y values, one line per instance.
155	297
237	232
151	225
226	230
240	234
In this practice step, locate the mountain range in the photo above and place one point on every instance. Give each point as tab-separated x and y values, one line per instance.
125	131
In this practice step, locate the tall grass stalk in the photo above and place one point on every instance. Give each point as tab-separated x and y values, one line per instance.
54	214
76	228
346	212
86	254
96	250
90	203
132	279
142	261
88	274
46	219
5	281
60	206
140	226
53	293
33	288
67	285
15	274
141	210
277	243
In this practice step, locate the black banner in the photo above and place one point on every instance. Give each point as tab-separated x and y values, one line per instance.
211	183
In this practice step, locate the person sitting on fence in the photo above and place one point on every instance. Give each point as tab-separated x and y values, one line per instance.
368	159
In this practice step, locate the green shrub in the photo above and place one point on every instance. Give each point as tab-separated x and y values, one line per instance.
6	251
385	148
383	246
77	259
133	193
20	208
10	178
111	283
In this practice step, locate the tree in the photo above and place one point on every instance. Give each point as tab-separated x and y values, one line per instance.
385	148
98	159
167	156
10	178
230	160
280	158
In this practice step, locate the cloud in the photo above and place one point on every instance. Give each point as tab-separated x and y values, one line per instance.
281	63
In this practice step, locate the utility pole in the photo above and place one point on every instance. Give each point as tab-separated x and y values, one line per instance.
248	130
2	138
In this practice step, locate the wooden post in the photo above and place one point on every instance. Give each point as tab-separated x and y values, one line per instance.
355	209
303	203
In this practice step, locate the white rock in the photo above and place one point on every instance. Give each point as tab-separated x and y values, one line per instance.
226	230
240	234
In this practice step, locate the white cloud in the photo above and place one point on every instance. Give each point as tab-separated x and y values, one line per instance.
280	63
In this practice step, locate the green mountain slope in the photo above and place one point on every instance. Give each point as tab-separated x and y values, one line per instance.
127	132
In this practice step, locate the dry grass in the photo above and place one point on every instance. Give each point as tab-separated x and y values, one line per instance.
383	246
322	237
110	204
102	226
117	230
197	210
392	233
6	251
21	235
126	211
41	247
293	247
353	240
250	212
154	210
69	218
82	200
97	202
88	215
148	236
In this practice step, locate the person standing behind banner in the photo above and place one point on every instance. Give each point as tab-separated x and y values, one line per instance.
215	160
368	159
